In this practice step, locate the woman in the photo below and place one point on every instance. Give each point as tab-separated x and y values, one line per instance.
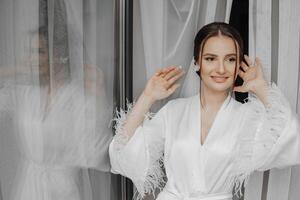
208	143
60	123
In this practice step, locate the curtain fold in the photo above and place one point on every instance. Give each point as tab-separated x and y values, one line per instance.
165	35
274	37
56	99
168	30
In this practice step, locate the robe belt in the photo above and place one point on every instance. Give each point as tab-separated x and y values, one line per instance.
215	196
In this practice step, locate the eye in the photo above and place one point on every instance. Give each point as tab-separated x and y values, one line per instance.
209	59
232	59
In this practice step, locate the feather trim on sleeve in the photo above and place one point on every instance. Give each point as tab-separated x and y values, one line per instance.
262	127
152	178
155	179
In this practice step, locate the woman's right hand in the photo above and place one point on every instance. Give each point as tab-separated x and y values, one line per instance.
159	86
163	83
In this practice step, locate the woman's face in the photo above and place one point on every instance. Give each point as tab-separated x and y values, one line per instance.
39	56
218	63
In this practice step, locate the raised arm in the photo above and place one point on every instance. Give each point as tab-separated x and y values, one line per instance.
270	134
161	85
137	149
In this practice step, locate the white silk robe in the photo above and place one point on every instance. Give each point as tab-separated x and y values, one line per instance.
243	138
56	143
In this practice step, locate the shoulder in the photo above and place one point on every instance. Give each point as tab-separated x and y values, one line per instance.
236	104
242	111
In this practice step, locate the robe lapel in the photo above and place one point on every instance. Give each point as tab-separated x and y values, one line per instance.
219	120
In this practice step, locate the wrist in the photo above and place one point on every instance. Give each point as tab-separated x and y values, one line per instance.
148	99
260	88
261	91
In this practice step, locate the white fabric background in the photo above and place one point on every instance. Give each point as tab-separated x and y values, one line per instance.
163	35
86	31
274	32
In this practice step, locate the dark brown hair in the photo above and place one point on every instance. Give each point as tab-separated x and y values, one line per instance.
215	29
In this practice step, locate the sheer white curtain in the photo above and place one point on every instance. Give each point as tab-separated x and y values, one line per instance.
168	30
56	98
164	33
274	32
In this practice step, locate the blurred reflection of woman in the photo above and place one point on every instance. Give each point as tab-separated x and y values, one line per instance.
61	123
208	143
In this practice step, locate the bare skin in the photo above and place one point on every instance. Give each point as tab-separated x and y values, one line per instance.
161	85
217	76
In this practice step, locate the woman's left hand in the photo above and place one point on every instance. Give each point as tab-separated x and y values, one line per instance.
253	77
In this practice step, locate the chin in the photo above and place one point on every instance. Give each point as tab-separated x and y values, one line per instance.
219	86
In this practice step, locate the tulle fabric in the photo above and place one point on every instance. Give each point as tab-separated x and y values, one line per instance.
147	144
56	99
57	139
252	136
261	129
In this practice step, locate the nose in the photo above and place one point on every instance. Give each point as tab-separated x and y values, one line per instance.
221	67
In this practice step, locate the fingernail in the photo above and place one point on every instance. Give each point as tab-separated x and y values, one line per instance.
180	66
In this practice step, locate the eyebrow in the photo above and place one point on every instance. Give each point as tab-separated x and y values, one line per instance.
211	54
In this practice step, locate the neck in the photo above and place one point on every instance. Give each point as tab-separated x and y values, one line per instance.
211	99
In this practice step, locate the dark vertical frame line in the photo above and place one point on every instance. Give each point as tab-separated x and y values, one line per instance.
239	19
119	97
117	93
264	192
128	48
128	71
123	69
116	53
274	39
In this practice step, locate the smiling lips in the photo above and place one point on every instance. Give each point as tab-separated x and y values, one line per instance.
219	79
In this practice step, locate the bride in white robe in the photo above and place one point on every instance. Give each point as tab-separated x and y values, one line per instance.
206	152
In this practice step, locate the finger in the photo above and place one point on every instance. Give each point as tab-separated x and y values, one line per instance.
248	60
172	89
259	66
167	70
172	73
242	74
258	62
244	66
176	77
239	89
158	72
162	72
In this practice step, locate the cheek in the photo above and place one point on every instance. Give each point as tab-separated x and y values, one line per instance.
231	68
207	67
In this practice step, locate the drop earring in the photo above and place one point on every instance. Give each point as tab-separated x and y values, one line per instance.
196	68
